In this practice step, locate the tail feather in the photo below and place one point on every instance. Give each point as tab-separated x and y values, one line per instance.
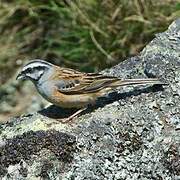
128	82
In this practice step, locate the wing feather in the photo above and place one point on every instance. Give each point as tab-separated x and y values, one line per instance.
75	82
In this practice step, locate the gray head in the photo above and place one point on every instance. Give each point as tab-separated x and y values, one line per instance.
34	70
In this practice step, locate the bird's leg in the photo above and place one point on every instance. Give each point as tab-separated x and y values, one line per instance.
70	118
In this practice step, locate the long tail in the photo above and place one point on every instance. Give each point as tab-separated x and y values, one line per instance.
128	82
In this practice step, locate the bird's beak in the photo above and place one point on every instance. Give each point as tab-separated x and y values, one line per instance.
20	76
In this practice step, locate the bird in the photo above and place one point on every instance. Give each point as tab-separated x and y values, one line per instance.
69	88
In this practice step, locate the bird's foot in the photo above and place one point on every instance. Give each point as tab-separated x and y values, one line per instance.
70	119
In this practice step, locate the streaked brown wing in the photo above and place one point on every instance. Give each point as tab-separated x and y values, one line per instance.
75	82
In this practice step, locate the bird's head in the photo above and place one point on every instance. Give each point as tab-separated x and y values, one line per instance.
34	70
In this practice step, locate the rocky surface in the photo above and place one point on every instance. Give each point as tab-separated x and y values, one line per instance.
133	133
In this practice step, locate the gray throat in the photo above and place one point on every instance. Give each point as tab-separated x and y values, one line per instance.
44	76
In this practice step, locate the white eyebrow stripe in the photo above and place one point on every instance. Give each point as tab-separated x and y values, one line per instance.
33	66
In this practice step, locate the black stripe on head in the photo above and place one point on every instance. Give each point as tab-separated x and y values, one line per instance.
36	64
39	61
35	69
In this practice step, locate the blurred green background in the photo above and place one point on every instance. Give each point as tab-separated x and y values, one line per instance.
88	35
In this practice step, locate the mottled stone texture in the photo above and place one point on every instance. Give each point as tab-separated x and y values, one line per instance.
131	134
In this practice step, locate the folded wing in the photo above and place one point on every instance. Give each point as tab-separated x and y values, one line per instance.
74	82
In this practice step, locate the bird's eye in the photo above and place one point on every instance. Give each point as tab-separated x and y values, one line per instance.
30	70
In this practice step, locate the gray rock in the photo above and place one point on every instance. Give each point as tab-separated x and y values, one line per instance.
131	134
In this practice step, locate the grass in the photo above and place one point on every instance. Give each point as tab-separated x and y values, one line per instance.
86	35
